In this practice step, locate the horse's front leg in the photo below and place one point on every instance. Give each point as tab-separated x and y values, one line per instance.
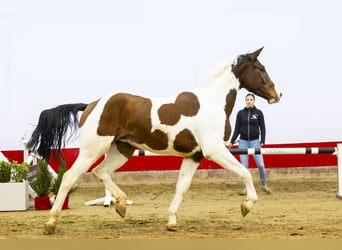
225	159
186	173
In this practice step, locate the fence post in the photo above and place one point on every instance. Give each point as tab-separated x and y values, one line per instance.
339	171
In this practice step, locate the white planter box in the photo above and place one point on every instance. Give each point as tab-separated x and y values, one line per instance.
14	196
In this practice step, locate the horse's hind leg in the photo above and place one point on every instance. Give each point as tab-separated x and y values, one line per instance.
187	171
118	154
85	159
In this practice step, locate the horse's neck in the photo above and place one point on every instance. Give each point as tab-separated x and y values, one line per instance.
219	86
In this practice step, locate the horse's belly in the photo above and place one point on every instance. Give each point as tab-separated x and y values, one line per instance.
170	150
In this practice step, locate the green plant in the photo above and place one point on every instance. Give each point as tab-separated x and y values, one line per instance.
62	169
20	171
5	171
42	184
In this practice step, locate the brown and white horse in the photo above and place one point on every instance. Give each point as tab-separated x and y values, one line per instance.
193	124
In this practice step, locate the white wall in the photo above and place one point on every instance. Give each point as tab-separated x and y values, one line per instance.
56	52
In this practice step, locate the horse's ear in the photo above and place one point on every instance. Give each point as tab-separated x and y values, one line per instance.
255	54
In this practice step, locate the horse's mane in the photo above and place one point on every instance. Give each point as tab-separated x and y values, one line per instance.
220	70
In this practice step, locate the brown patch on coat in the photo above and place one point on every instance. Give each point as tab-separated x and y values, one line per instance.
185	141
242	63
230	101
124	148
198	156
186	104
86	112
127	116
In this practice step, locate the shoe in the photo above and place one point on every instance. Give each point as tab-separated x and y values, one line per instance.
266	190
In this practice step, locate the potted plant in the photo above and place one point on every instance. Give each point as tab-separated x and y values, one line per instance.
14	190
19	171
56	185
42	185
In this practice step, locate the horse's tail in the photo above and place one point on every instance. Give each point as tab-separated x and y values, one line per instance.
52	127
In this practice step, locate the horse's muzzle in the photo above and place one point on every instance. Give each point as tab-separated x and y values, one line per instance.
275	99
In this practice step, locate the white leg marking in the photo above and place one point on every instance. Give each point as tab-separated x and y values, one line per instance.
225	159
187	171
92	147
114	159
81	165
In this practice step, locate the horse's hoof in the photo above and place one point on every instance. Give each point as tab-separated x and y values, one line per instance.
121	210
171	227
244	209
49	228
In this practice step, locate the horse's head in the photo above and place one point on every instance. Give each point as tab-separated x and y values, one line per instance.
252	76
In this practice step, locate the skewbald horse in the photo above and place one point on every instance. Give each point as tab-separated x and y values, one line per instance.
193	124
